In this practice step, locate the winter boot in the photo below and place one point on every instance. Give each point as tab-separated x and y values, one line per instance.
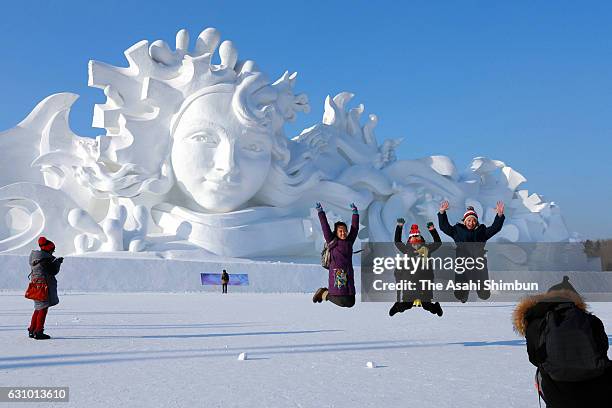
396	308
484	294
438	309
30	334
434	308
41	336
319	295
462	295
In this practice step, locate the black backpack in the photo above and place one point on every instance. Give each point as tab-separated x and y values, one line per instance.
571	352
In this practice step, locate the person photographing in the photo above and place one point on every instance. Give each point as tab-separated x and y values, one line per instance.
43	286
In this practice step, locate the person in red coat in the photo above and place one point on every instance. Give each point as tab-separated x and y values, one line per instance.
44	267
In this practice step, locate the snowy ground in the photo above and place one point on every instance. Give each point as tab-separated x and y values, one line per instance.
180	350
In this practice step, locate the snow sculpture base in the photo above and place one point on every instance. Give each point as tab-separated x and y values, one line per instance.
146	272
120	272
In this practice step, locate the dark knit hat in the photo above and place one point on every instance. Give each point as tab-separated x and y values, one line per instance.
470	213
564	285
45	244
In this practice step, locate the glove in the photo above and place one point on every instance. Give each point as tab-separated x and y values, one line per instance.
60	259
431	226
319	207
401	221
354	208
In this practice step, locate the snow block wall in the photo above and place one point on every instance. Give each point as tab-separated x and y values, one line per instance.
107	274
112	274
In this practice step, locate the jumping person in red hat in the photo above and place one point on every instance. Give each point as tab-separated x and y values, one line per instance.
44	268
416	247
471	237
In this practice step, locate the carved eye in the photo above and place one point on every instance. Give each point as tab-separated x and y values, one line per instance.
253	147
204	137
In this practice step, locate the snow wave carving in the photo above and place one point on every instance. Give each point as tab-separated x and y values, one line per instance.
195	152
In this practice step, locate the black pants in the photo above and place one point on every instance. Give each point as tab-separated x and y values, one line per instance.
593	393
224	287
342	301
429	306
475	275
415	278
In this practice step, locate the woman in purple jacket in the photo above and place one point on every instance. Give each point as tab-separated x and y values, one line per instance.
341	275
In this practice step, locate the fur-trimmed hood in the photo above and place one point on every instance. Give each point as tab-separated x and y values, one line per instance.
555	296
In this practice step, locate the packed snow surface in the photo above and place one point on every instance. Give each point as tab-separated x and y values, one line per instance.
181	350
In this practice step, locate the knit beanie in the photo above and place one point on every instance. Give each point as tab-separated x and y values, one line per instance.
45	244
564	285
414	231
470	213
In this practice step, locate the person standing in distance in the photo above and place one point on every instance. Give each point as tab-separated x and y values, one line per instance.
224	281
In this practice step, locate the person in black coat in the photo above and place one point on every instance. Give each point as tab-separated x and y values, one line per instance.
416	247
471	237
224	281
529	318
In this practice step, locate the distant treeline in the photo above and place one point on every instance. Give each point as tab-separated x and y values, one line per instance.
601	248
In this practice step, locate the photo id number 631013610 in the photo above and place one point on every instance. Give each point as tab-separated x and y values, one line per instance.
34	394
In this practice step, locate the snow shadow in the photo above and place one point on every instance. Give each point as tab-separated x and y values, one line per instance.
255	352
89	313
478	305
197	335
492	343
127	326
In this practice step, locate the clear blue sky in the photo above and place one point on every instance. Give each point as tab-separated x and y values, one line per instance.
529	83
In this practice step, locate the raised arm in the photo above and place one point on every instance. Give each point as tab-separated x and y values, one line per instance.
498	223
352	235
445	225
398	236
327	232
437	242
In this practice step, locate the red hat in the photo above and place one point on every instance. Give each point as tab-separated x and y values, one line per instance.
45	244
415	235
414	231
470	213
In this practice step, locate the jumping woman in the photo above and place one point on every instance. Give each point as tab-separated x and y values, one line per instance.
341	283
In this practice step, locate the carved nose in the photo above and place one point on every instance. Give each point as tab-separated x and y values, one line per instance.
224	157
224	163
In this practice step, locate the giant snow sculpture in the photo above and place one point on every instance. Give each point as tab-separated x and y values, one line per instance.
194	156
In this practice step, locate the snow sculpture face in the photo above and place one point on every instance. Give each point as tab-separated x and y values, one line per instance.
218	161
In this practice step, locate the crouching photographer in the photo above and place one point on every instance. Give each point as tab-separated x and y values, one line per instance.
569	347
